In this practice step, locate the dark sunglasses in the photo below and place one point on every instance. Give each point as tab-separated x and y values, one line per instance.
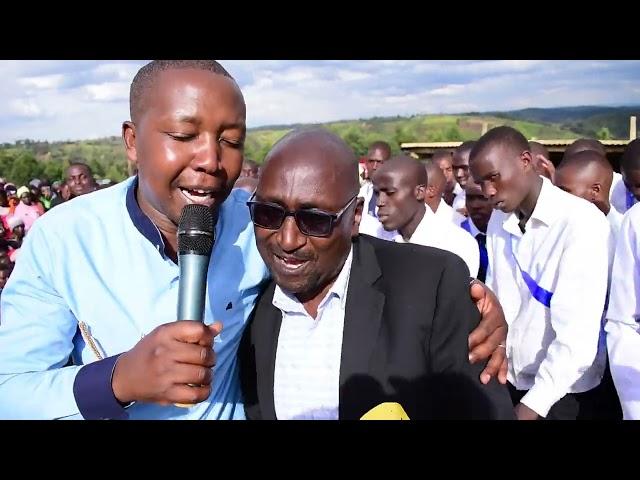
311	222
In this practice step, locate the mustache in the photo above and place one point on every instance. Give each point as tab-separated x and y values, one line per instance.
299	256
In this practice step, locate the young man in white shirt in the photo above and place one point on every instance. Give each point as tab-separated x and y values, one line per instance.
623	315
378	153
434	194
627	192
548	262
479	208
460	164
400	185
588	174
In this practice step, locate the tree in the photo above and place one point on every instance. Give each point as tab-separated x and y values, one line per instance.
604	134
53	171
24	168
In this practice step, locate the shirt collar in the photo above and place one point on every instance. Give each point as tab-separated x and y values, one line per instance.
546	209
423	227
474	230
143	223
288	303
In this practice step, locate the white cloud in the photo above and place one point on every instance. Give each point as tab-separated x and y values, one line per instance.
74	99
25	108
44	82
108	91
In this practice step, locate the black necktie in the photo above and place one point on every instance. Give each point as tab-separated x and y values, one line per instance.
481	238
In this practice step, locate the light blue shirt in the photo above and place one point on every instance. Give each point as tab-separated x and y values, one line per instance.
99	260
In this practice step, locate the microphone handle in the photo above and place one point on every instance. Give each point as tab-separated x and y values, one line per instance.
191	291
192	286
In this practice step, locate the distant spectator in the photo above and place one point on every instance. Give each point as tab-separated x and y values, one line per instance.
63	196
46	195
27	210
249	169
248	184
80	179
4	204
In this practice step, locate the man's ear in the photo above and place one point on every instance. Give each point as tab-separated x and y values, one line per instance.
527	160
129	139
420	192
594	192
357	217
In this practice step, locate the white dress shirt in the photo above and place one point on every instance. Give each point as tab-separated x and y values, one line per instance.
369	224
460	200
446	212
551	351
436	232
307	371
623	315
618	194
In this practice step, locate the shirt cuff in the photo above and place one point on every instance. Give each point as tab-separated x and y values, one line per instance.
94	394
540	399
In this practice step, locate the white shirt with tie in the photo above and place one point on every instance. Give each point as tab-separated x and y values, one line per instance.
623	316
433	231
552	350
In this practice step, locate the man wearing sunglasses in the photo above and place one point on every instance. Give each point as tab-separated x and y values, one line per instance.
344	330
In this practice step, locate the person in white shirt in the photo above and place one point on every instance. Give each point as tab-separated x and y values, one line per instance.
627	192
400	184
460	165
623	316
378	153
451	189
588	174
434	194
479	209
618	195
548	259
351	325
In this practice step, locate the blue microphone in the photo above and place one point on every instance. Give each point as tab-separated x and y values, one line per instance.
195	242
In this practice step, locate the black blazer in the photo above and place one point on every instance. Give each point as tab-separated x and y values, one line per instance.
407	321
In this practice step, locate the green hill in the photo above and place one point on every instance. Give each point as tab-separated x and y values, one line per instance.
27	159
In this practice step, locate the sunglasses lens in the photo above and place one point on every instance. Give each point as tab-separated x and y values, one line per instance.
267	216
314	223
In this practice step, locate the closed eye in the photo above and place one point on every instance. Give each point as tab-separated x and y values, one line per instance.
181	137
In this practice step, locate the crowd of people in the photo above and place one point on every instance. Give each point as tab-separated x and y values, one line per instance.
21	206
484	282
549	242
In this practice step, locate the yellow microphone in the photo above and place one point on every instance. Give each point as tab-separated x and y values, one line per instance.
386	411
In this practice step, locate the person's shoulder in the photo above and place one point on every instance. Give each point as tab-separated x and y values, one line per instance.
235	204
93	207
577	210
408	257
632	217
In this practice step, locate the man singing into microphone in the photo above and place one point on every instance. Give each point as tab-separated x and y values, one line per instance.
98	277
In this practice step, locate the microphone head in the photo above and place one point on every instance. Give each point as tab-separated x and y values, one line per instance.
196	230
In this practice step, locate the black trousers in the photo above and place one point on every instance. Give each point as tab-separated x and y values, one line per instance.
600	403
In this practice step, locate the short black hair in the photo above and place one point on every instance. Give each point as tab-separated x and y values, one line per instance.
583	144
148	74
631	157
380	145
505	136
79	164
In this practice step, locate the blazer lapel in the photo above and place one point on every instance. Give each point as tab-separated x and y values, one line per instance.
267	338
363	313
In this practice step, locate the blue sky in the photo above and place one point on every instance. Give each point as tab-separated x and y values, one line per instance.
69	100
